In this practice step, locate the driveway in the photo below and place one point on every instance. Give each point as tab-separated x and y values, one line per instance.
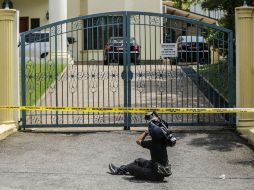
102	86
214	160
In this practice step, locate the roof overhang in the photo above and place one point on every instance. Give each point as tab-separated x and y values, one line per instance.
168	9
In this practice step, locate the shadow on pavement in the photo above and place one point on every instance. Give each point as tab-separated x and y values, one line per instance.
135	180
223	142
243	162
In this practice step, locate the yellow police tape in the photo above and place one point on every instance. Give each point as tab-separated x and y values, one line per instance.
132	110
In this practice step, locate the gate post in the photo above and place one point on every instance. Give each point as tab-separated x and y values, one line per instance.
8	49
245	67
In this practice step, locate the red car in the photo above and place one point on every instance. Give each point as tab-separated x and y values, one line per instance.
113	51
191	48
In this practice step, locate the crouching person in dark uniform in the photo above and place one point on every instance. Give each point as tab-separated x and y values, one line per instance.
155	169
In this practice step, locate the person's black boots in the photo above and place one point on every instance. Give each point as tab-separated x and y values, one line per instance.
117	170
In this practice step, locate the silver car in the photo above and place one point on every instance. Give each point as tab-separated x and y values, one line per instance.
37	46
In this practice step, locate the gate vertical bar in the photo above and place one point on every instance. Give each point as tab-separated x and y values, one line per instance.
56	75
231	77
126	70
23	78
128	64
124	74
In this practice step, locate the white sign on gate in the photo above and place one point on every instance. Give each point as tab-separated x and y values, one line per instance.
168	50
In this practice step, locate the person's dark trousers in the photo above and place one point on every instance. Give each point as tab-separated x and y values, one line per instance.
142	169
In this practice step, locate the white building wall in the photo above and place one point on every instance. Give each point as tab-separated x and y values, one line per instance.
73	8
32	9
83	7
99	6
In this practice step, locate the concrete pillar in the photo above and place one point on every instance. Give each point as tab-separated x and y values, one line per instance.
58	12
245	67
8	47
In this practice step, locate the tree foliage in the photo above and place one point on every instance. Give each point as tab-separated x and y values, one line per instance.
228	6
183	4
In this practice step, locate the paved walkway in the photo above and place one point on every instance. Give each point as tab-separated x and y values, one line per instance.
200	161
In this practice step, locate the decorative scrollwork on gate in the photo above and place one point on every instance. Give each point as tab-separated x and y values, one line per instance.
82	75
135	19
181	81
99	119
72	77
60	119
113	79
40	77
117	20
177	118
30	77
161	79
77	25
103	75
136	118
93	78
36	119
171	74
155	20
150	75
98	21
141	79
119	118
59	29
78	119
51	76
63	76
52	31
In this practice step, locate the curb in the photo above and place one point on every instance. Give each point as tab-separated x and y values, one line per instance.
7	130
121	129
251	136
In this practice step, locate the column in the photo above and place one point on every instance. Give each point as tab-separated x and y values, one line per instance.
8	61
58	12
7	57
244	67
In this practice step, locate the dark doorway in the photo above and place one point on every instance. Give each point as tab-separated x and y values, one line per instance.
23	24
35	22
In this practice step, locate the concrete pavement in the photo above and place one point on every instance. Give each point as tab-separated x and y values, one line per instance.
209	160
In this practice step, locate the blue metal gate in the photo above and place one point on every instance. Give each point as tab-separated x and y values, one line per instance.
116	60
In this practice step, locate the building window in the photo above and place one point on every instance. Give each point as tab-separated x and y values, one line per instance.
35	22
97	31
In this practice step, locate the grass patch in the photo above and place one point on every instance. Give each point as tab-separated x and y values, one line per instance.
216	75
39	77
